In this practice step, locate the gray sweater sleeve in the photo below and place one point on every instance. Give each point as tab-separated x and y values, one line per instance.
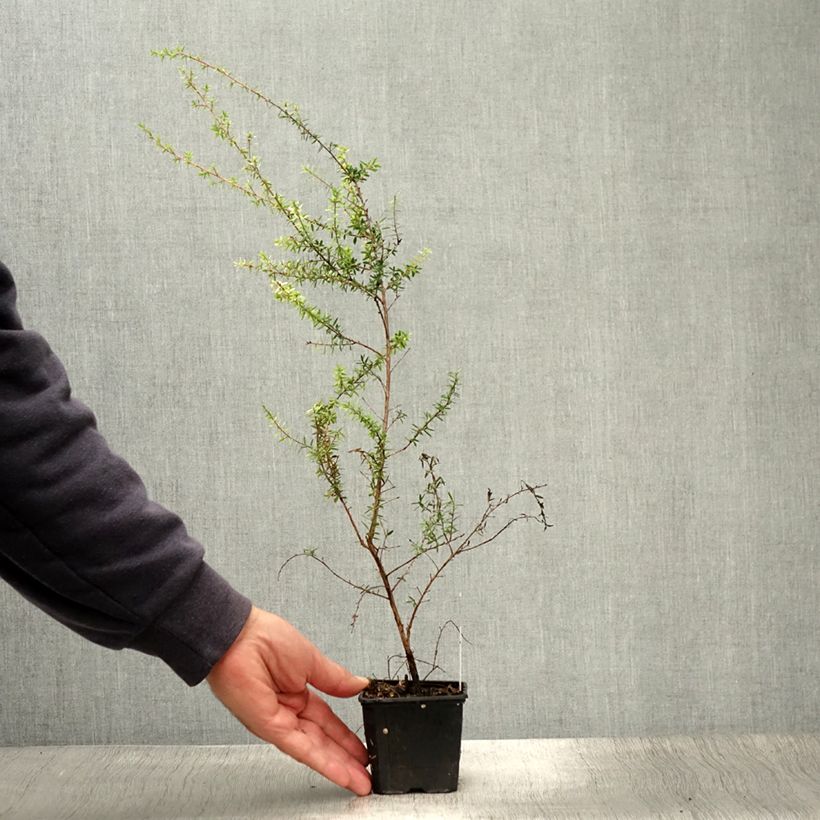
78	535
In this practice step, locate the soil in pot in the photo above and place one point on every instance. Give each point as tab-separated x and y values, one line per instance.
413	734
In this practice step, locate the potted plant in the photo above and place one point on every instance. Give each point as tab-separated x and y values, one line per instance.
412	725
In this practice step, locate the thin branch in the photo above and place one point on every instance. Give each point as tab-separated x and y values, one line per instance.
465	545
356	610
438	640
302	443
331	329
285	112
273	200
311	554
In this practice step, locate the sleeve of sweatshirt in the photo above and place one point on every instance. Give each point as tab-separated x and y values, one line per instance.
79	536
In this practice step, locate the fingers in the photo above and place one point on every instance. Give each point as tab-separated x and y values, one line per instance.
319	712
294	723
308	744
332	679
261	680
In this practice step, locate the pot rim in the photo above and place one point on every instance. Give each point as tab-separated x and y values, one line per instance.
460	696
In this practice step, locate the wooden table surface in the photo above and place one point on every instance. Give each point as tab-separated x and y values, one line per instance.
717	776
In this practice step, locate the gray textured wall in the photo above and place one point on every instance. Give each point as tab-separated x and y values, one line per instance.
622	201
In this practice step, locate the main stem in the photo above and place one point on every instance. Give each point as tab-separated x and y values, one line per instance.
404	633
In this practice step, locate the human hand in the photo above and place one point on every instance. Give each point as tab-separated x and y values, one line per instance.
262	680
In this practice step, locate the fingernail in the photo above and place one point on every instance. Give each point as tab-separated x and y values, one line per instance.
363	681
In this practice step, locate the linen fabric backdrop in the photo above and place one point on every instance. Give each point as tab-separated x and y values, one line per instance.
622	204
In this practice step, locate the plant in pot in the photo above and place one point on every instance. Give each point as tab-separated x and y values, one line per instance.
412	724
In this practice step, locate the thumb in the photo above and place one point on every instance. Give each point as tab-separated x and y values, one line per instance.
332	679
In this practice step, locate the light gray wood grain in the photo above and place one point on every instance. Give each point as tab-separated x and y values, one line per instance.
746	776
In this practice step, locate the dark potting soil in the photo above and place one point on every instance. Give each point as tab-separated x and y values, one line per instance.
405	688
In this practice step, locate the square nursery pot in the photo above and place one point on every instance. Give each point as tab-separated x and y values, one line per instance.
414	736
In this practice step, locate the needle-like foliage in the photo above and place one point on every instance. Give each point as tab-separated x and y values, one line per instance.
350	250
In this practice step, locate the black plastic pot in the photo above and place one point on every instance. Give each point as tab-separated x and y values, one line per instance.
414	741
